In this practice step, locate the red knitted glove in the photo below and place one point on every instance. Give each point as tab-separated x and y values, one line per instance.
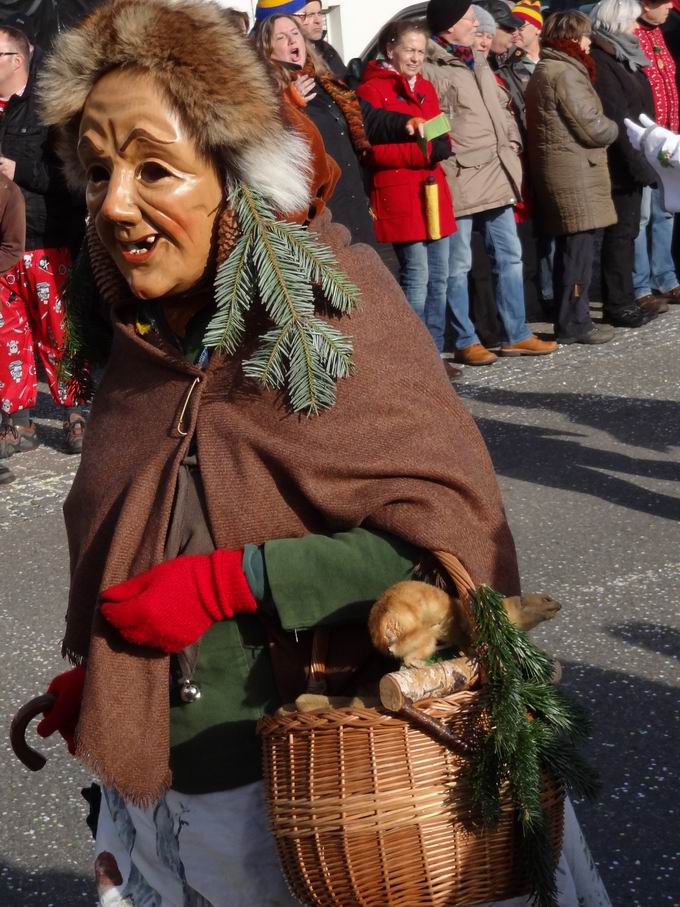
63	716
172	605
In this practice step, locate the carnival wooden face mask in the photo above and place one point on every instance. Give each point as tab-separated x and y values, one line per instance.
152	196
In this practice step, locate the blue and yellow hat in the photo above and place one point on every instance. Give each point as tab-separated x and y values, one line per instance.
267	8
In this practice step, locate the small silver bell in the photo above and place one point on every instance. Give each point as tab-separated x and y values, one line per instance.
189	692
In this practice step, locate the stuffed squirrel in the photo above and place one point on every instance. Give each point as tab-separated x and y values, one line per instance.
411	619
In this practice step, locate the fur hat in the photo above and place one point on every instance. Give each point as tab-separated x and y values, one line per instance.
210	74
442	14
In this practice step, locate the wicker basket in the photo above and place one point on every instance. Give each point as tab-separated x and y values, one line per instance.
368	810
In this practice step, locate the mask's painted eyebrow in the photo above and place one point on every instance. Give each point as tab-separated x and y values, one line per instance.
85	143
138	132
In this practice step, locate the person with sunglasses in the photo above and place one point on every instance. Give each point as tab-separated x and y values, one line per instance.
313	25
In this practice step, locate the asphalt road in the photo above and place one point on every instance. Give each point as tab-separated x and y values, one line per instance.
586	446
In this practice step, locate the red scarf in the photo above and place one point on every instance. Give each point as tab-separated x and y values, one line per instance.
574	50
661	75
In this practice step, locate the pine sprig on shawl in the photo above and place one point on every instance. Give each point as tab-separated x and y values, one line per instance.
282	263
533	727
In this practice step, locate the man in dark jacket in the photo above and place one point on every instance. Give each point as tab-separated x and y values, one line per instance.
30	293
312	24
625	93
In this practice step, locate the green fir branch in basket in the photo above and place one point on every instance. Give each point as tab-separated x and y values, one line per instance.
533	727
282	263
87	334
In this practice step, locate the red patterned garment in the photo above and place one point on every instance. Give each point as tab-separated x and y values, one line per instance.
32	326
661	75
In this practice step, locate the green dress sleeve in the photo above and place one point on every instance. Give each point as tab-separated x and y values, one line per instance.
326	580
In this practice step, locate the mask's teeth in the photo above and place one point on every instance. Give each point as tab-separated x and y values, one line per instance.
143	245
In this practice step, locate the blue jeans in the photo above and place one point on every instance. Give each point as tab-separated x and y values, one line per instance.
423	275
498	228
654	268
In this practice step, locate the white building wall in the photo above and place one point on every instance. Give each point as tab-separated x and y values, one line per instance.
352	24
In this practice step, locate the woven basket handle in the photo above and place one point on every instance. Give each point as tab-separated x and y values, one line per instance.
458	573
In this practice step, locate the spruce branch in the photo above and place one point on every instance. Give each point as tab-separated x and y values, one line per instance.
532	727
233	289
336	286
281	265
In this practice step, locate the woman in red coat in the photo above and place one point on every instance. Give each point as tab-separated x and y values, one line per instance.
400	173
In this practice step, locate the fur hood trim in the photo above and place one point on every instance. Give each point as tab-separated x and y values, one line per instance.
210	74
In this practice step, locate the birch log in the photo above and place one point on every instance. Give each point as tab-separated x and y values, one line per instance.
439	679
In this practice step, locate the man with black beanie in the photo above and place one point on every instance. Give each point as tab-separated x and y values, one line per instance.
485	177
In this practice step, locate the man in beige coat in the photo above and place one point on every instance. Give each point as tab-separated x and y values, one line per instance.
485	175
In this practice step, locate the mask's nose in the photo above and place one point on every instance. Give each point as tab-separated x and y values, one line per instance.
120	203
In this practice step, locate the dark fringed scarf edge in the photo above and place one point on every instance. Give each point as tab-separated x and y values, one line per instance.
87	338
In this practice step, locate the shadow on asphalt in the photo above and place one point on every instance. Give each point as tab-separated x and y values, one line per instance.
640	423
656	638
632	827
44	889
545	457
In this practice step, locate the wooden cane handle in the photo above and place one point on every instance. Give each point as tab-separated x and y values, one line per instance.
434	729
31	758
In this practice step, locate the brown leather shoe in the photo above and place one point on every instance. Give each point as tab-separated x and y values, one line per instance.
652	303
532	346
475	354
672	295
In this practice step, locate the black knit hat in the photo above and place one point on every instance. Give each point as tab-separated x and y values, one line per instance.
442	14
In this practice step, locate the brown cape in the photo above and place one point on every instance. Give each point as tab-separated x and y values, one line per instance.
398	452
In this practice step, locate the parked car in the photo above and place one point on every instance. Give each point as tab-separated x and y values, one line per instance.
356	66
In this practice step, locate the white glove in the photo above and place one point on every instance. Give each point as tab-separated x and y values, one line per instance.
661	148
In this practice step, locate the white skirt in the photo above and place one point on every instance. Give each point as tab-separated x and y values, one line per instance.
214	850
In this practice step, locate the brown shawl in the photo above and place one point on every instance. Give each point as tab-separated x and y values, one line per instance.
398	453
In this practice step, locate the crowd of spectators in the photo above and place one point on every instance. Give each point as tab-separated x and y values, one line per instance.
542	178
535	184
495	221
